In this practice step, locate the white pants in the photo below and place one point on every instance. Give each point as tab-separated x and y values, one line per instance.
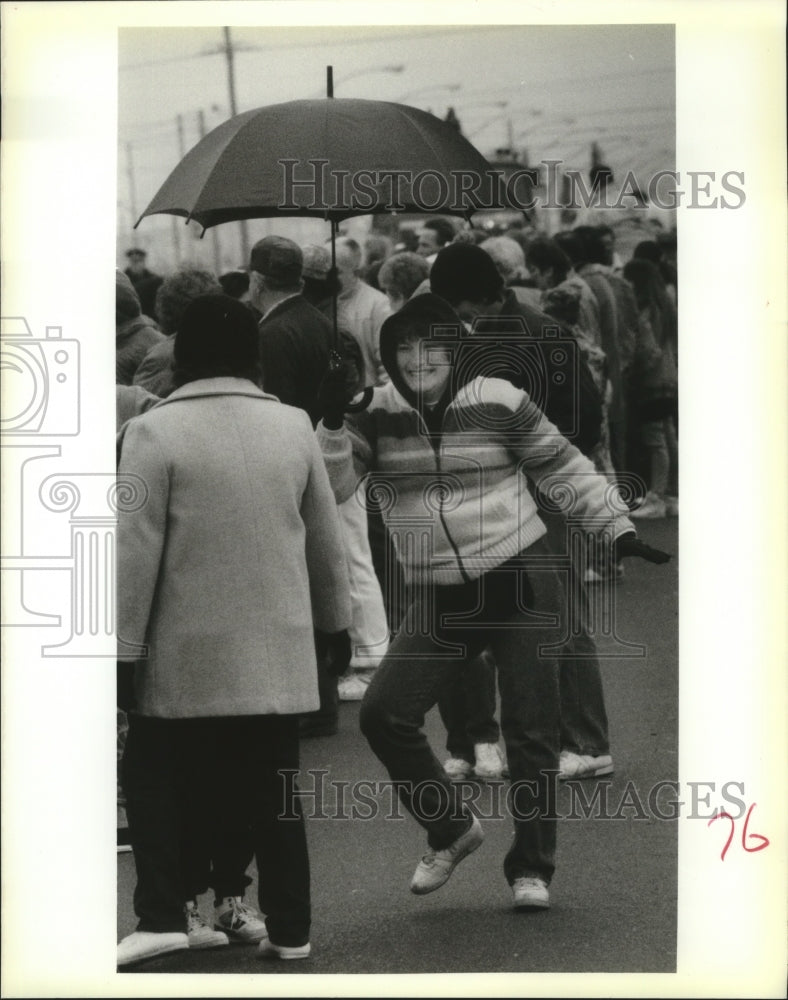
369	632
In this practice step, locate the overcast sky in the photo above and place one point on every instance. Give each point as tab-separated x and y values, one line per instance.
564	86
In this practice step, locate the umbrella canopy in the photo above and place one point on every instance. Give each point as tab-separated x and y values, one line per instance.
330	158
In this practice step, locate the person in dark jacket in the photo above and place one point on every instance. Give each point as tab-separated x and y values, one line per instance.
135	333
467	278
532	356
146	283
295	338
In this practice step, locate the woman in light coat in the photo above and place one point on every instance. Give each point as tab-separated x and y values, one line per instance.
226	565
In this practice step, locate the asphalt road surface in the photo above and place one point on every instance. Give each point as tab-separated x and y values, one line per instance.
613	897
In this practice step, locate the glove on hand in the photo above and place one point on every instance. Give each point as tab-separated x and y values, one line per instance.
630	545
339	386
334	650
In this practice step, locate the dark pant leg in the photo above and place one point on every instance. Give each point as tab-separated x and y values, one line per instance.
584	725
154	810
217	840
404	688
452	706
478	683
528	683
467	708
248	795
278	829
387	568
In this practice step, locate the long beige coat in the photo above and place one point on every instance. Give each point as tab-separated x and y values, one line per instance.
235	553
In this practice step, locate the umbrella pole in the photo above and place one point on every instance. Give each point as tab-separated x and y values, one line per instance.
334	283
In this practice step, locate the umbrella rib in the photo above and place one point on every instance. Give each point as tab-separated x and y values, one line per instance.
196	207
425	137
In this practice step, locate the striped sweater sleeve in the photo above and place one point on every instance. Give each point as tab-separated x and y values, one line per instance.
348	457
556	467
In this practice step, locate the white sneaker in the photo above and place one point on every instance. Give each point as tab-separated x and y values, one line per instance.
267	949
199	933
652	508
456	768
489	761
239	921
354	687
530	894
148	944
671	506
435	867
574	765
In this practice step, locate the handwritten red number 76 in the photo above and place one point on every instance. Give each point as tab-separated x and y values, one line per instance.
764	841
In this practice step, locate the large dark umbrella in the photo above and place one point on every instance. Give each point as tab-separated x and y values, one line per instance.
327	158
331	159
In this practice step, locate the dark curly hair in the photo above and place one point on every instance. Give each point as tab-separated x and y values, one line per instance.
178	290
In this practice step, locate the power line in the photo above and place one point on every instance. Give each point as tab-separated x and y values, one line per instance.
283	46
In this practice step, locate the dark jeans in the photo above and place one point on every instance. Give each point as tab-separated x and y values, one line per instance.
211	787
467	708
415	671
584	726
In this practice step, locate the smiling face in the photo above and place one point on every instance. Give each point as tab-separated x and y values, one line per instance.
425	370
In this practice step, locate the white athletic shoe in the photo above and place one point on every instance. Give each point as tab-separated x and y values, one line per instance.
435	867
530	894
267	949
140	945
200	934
456	768
574	765
490	763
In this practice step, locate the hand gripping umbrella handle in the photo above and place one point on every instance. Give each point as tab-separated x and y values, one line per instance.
363	403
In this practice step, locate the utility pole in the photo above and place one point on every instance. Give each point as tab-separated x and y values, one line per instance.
175	221
230	56
181	139
217	250
132	185
193	232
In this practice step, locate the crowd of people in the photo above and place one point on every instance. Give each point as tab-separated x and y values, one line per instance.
359	483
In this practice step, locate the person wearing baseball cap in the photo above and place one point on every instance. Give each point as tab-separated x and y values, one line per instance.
295	338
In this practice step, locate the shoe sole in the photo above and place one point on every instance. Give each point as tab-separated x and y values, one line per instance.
156	954
206	947
277	956
533	907
598	772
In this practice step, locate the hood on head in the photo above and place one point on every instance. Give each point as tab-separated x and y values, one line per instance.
420	315
127	302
